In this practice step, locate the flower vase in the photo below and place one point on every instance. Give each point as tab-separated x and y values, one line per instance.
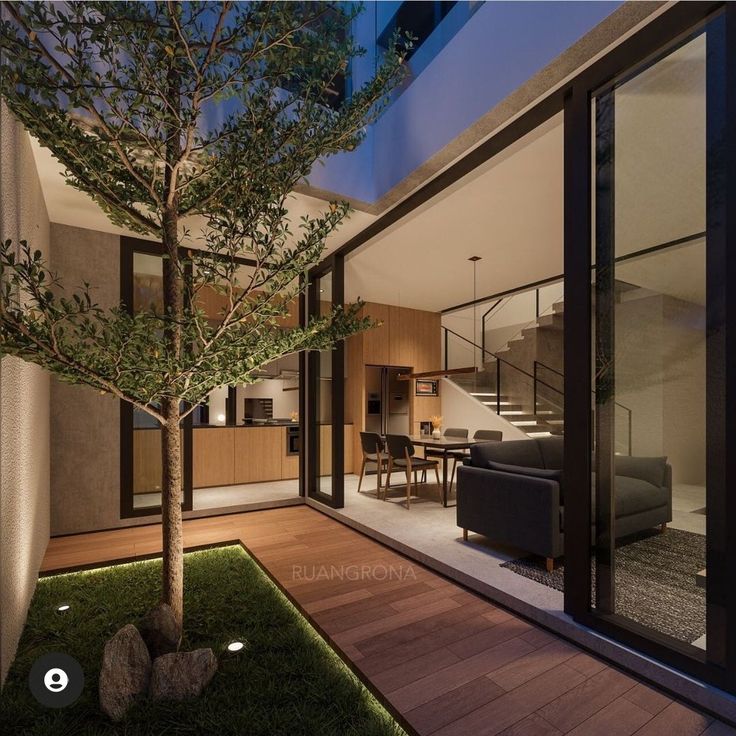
436	434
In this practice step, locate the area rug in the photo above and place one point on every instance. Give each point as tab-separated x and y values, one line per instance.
655	581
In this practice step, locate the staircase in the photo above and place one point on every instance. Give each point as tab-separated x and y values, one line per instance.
531	378
547	420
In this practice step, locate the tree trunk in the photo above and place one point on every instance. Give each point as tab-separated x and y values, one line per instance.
171	488
171	497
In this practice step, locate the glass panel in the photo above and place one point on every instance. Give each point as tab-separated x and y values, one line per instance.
147	294
649	342
323	437
245	440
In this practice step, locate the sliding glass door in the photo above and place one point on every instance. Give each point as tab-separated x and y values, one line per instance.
650	346
650	519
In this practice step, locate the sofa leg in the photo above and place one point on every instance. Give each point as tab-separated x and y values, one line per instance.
465	535
550	564
663	528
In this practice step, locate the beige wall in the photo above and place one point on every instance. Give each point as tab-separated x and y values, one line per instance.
24	408
460	409
85	426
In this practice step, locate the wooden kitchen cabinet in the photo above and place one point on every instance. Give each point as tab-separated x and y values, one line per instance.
146	460
258	453
212	456
289	467
147	472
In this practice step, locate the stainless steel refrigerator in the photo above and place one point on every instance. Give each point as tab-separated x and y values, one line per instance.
387	400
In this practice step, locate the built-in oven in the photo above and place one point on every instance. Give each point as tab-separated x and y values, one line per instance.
292	440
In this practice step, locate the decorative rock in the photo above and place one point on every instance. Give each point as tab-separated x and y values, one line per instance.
182	675
126	672
160	630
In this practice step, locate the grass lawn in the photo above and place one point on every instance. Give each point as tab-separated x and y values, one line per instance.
286	681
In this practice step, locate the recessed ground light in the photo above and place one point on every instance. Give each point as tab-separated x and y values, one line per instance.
63	608
235	646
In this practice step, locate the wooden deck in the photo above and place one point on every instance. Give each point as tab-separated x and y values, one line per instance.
445	660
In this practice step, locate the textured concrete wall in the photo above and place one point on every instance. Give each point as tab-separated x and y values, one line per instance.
660	376
24	408
85	426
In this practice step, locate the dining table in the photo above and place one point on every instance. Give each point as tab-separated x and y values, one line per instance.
444	446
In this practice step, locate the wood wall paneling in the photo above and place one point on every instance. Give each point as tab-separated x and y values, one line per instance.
427	339
292	320
407	337
213	303
376	340
325	449
354	395
348	440
401	347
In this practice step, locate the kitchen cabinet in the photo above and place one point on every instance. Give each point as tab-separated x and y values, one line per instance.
212	456
258	452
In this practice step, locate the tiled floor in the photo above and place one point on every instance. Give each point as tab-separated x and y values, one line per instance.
447	661
688	502
221	497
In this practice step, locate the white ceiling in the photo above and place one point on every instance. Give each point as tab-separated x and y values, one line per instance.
68	206
508	212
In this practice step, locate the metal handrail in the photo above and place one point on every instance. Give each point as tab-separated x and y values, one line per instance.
483	324
538	363
536	381
499	361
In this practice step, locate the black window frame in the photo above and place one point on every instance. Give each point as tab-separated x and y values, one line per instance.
128	247
335	265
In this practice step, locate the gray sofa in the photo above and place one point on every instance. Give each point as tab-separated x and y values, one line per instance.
512	493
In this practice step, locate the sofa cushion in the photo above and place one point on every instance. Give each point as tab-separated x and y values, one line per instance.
634	496
649	469
546	473
552	450
513	452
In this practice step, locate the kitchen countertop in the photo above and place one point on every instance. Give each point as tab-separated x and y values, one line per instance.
276	423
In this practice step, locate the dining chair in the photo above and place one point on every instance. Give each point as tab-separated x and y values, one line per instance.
482	435
458	433
373	449
401	456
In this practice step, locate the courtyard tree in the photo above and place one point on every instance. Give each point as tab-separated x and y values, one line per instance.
190	123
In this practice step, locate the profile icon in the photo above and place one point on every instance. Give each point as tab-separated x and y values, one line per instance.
56	680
